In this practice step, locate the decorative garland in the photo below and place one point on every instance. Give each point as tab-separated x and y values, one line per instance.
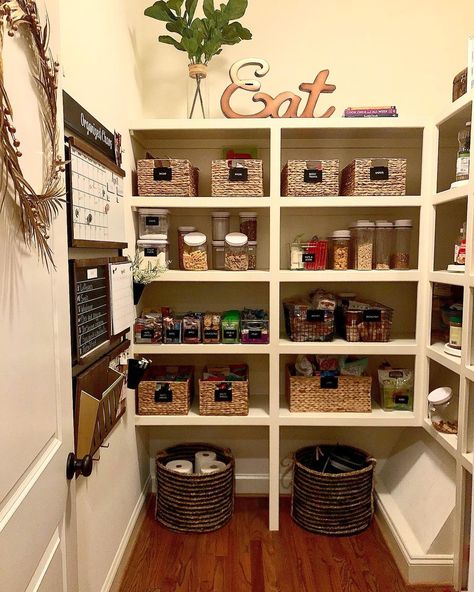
37	209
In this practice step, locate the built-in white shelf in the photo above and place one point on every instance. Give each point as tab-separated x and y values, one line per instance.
246	203
448	277
436	353
454	108
350	201
467	461
448	441
469	372
214	276
453	194
200	348
341	346
393	275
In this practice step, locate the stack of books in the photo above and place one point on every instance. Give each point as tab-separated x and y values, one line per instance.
383	111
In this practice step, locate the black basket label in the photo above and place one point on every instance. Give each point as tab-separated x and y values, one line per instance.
315	315
172	333
147	333
162	174
309	257
238	174
223	393
191	333
401	399
255	333
372	315
211	333
395	374
328	381
313	176
150	252
163	393
379	173
152	220
230	333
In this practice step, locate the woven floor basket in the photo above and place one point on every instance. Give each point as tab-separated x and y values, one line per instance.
194	503
158	397
304	394
356	177
331	504
293	182
212	397
223	187
184	178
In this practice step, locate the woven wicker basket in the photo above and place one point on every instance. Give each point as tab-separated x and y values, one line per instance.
359	326
332	504
222	186
302	178
183	183
313	393
374	176
158	397
224	398
194	503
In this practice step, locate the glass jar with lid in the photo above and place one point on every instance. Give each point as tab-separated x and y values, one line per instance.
402	240
154	253
220	225
182	231
195	252
252	255
218	249
236	252
248	225
153	223
464	153
340	249
362	238
383	244
455	331
443	410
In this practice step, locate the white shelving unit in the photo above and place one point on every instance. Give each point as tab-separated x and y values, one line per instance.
201	141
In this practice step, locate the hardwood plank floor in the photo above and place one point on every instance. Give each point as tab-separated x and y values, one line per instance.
245	557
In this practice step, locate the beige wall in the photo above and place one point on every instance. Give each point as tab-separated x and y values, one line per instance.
404	53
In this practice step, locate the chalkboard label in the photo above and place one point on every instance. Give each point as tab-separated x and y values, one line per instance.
238	174
255	333
162	174
150	252
395	374
223	393
147	333
329	381
309	257
313	176
163	393
379	173
172	333
230	333
372	315
211	334
315	315
401	399
191	333
152	220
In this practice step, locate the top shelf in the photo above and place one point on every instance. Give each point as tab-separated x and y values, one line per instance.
456	110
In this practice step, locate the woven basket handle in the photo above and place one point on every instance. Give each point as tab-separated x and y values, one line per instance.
379	162
158	162
288	464
314	164
232	163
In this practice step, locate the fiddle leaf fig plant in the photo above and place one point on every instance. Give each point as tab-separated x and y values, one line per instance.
201	38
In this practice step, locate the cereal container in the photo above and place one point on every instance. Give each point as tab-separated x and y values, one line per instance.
220	225
401	251
236	252
195	252
192	328
153	223
153	252
252	255
211	330
182	231
340	249
383	244
248	225
362	235
218	260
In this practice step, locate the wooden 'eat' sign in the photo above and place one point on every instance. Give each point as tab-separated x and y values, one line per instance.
272	105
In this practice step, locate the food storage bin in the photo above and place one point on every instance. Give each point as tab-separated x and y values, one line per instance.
362	238
220	225
310	255
310	178
211	331
154	252
182	231
231	326
367	321
401	249
248	225
340	249
254	327
165	390
443	410
374	176
153	223
218	251
170	177
397	389
226	397
383	244
237	178
195	252
192	328
172	328
304	322
236	252
252	255
148	328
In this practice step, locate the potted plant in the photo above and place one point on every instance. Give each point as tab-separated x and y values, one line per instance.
200	38
143	276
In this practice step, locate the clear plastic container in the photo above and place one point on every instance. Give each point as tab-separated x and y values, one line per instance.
252	255
195	252
155	252
402	239
230	323
340	249
182	231
236	252
248	225
362	238
218	259
220	225
383	244
153	223
464	153
443	410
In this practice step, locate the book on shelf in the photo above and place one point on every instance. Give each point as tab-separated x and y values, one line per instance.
371	112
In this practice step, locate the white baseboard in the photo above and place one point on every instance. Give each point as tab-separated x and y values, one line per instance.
126	537
245	484
415	566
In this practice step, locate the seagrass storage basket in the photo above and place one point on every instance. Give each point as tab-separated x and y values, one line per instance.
170	177
374	176
237	178
224	398
194	503
310	178
158	395
328	393
329	502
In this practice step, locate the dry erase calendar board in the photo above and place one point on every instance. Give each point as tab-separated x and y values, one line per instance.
95	198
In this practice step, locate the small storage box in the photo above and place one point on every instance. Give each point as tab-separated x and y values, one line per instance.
224	398
372	322
460	85
168	177
375	176
328	393
166	390
237	178
310	178
303	322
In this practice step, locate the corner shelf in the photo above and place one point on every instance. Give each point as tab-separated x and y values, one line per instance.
448	441
436	353
392	275
453	194
467	461
448	277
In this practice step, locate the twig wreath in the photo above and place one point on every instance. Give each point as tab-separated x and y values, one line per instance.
37	210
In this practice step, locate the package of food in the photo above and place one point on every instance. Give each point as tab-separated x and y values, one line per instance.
192	327
172	328
354	367
231	326
211	330
254	326
148	328
328	363
396	389
323	300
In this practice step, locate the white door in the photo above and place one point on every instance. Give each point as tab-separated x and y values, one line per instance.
37	515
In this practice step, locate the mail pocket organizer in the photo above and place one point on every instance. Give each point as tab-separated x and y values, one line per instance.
169	177
165	390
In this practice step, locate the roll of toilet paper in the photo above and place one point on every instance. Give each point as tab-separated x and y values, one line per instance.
213	466
185	467
203	456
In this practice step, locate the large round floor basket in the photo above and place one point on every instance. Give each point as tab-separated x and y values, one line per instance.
194	503
333	491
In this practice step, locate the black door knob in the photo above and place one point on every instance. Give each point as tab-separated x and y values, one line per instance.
74	465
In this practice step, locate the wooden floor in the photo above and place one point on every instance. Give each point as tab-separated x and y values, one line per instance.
245	557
